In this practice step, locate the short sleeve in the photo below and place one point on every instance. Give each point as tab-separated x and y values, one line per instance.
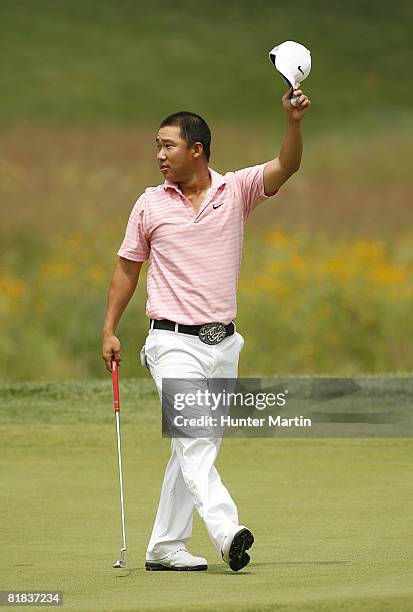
135	245
251	184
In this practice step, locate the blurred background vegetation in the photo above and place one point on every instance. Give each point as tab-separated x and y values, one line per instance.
326	281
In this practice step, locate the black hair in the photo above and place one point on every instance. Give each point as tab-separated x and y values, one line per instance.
193	129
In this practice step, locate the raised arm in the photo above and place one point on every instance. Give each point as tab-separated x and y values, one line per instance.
122	287
278	170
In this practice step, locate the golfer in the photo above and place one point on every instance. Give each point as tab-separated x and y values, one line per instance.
191	230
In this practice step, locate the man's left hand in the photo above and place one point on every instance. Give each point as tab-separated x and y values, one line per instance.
303	104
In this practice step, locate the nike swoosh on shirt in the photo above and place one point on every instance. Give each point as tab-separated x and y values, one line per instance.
217	205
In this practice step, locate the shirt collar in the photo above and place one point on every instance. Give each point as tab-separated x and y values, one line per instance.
217	180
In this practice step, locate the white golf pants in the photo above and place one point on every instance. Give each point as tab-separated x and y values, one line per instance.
191	479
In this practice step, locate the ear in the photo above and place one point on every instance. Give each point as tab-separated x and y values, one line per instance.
197	148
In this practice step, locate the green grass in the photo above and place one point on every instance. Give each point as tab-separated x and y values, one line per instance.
332	518
135	62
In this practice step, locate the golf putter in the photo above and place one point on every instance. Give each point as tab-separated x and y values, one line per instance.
293	62
115	384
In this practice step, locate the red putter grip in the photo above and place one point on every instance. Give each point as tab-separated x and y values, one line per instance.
115	385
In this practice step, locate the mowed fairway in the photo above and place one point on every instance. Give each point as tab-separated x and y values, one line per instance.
332	518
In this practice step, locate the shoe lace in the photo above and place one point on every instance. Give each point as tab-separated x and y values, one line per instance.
177	551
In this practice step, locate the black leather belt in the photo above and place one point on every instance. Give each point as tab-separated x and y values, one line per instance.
209	333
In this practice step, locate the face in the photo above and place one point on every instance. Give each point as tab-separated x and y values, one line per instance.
175	158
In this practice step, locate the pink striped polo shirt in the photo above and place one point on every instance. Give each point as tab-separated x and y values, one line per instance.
194	258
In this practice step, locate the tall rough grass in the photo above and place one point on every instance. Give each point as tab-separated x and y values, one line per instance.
305	306
310	305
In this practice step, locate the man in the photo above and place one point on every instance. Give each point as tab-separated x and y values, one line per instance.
191	230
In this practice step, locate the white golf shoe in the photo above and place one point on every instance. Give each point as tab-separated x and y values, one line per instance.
234	547
179	561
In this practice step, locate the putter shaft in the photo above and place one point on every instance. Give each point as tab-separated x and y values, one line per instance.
115	383
123	549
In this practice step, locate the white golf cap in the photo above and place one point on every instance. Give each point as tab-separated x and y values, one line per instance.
292	60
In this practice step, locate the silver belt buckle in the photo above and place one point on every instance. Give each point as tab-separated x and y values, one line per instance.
212	333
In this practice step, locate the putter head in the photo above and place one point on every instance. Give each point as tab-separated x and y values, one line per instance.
121	562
